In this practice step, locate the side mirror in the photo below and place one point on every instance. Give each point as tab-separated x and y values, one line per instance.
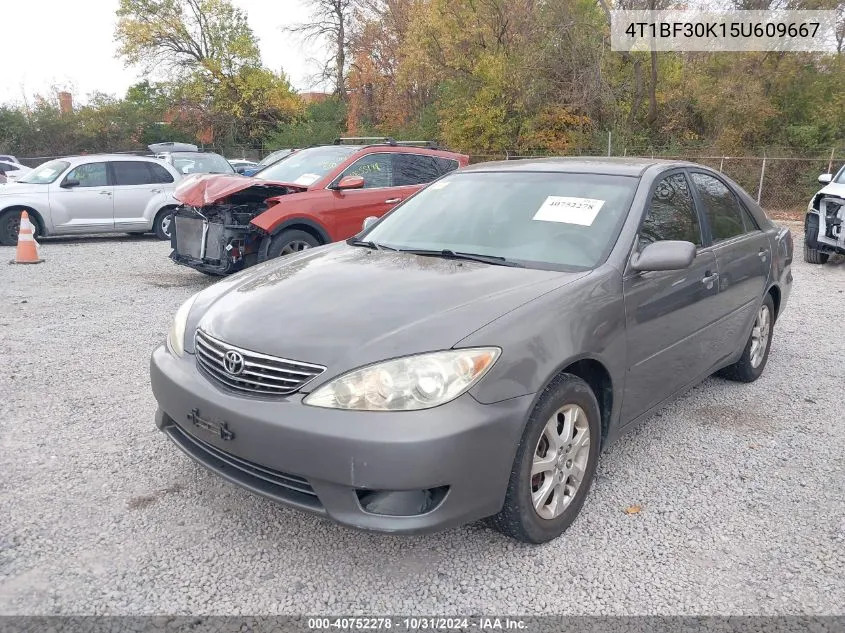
664	255
350	182
70	184
825	179
369	221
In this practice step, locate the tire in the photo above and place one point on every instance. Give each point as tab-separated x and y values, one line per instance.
289	242
163	224
813	256
751	364
10	223
569	407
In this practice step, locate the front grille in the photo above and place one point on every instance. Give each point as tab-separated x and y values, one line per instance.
273	483
261	375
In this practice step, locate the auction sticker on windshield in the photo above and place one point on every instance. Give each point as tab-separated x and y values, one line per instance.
307	179
582	211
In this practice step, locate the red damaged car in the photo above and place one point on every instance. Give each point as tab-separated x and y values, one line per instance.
314	196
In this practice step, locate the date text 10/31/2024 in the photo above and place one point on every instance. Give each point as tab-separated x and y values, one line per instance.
417	624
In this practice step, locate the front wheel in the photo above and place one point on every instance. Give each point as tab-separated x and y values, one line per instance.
555	463
163	224
813	256
754	357
290	242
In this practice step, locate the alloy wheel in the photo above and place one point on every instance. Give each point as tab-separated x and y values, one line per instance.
294	247
560	461
760	336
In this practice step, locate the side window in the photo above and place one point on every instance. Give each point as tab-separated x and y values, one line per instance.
131	173
89	175
414	169
720	207
671	213
376	169
445	165
160	174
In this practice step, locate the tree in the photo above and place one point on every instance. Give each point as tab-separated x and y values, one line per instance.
180	35
329	23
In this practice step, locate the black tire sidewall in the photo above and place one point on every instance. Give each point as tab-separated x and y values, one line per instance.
6	237
566	389
279	241
158	229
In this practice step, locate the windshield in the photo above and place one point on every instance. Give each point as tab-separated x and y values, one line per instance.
46	173
307	166
193	163
542	220
839	179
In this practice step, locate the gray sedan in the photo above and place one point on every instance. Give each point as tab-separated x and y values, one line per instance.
470	354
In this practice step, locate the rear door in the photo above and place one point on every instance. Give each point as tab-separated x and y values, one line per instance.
670	315
743	255
88	206
137	183
411	172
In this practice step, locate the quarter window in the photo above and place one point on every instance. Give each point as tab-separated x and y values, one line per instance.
160	174
376	169
671	213
89	175
725	216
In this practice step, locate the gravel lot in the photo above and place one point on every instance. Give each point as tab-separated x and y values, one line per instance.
740	486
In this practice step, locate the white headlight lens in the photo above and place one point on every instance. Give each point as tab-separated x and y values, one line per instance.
407	384
176	336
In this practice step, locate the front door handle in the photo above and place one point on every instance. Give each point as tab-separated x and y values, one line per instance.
105	193
762	254
392	200
709	278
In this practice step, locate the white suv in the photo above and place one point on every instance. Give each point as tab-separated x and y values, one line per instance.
91	194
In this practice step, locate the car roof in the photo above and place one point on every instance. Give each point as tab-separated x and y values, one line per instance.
84	158
581	164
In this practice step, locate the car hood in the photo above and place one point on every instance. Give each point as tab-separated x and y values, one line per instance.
199	190
343	306
833	189
20	188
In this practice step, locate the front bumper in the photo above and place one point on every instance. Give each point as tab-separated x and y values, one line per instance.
331	462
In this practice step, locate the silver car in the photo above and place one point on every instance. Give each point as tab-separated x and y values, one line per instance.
91	194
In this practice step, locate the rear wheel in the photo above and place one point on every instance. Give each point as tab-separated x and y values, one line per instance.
554	465
754	357
290	242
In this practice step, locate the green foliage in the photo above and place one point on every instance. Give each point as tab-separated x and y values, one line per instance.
322	123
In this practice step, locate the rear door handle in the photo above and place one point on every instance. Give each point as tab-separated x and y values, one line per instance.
155	190
392	200
105	193
762	254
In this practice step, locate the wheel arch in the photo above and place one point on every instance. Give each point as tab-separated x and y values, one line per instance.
303	224
595	373
32	213
774	291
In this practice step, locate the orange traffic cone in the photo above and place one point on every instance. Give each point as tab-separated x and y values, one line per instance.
27	252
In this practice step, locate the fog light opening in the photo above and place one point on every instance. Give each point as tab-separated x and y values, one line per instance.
401	503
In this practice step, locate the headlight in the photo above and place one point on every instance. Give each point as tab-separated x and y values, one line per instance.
176	336
407	384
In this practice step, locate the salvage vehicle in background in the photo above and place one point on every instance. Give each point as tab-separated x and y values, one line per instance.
187	159
271	158
91	194
242	165
824	224
470	354
312	197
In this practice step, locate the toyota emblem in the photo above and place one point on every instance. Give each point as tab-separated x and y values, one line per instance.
233	362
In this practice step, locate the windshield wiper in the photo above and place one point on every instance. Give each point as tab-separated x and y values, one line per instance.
370	244
473	257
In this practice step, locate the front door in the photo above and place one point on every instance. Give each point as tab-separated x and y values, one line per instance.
86	206
669	314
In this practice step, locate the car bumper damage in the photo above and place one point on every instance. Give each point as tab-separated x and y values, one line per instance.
213	231
830	236
400	472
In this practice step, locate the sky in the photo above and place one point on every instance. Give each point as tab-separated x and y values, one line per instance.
52	42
